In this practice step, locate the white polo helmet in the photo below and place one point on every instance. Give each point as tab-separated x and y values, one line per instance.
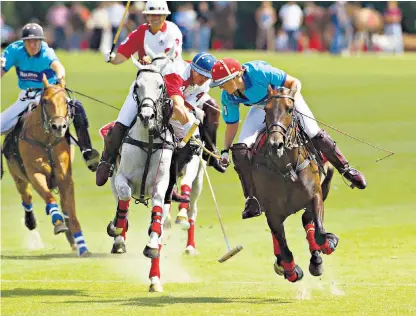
156	7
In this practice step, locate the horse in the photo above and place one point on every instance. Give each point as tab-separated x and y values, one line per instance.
289	162
38	155
142	172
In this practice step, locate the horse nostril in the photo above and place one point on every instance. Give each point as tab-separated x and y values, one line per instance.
64	126
280	146
54	126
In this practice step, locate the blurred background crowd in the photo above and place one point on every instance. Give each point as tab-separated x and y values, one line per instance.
338	27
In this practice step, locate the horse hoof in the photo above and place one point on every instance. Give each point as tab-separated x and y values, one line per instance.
30	220
167	224
294	276
151	253
330	244
278	268
60	228
113	231
190	250
316	267
85	254
155	285
119	248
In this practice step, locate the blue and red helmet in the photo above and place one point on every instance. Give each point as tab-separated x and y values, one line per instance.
202	63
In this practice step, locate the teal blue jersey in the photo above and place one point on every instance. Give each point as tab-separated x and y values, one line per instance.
30	69
257	77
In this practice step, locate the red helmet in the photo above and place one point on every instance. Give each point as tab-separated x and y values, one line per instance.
223	70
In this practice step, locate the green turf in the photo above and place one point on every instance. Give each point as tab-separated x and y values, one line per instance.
373	271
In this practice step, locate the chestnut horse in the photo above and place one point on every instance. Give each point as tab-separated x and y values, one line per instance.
42	159
287	175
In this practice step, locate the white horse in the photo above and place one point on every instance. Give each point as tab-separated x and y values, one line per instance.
143	170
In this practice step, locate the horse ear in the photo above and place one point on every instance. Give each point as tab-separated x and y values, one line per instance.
136	63
149	52
270	91
45	81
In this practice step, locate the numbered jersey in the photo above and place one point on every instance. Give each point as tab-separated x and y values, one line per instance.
167	38
178	80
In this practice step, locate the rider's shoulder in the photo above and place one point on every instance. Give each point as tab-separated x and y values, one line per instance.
172	27
16	46
259	65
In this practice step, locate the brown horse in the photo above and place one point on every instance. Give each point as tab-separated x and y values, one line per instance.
287	178
42	159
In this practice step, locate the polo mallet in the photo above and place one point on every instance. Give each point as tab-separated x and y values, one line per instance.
238	248
120	27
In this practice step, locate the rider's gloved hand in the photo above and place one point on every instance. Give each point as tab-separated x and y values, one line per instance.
109	56
225	158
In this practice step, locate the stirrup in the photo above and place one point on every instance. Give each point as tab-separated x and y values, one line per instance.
111	167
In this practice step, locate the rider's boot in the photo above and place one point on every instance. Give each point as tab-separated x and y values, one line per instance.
324	143
112	145
242	165
89	154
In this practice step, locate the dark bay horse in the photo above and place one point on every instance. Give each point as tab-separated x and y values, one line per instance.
42	160
287	176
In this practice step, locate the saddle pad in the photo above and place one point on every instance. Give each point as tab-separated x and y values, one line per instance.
105	129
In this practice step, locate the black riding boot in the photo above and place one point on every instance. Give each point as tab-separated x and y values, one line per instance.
89	154
208	130
242	165
324	143
180	158
112	143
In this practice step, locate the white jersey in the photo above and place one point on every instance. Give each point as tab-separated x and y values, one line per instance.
167	38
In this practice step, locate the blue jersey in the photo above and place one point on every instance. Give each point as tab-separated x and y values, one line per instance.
257	77
29	69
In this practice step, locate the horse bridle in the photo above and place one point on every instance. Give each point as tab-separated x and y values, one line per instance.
46	119
283	129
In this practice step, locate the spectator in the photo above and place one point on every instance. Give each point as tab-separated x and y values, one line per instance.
314	25
281	41
115	15
7	34
57	17
79	15
266	19
205	25
185	18
291	16
225	24
99	23
135	17
342	28
392	25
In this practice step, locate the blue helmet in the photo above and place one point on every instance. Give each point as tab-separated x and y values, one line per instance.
202	63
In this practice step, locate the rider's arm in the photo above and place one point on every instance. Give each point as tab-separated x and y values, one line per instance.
133	43
58	68
174	85
231	116
119	59
293	84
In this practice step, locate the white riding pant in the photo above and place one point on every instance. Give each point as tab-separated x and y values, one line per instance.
10	116
129	111
254	122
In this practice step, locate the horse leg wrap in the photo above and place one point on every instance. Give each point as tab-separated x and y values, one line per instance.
191	234
53	211
185	193
331	242
276	248
290	272
310	237
155	269
121	217
81	245
156	225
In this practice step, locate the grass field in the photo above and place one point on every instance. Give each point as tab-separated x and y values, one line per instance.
372	272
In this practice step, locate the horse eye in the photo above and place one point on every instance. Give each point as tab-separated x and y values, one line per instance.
161	86
290	110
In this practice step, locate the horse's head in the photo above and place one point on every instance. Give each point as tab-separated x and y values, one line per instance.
55	109
149	93
279	116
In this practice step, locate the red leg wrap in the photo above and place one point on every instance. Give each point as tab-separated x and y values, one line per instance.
155	269
290	270
310	237
156	220
325	248
276	248
191	234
